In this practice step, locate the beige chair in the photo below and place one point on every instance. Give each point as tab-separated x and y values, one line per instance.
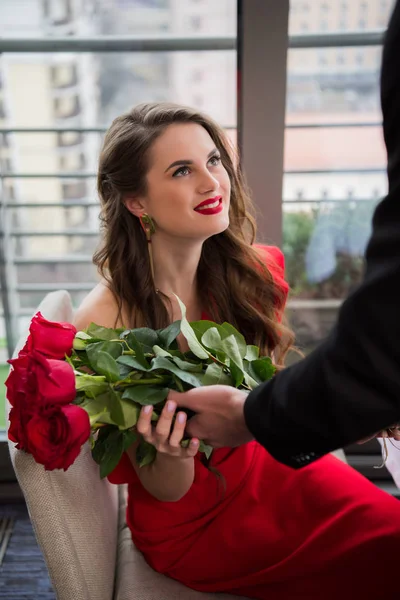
79	522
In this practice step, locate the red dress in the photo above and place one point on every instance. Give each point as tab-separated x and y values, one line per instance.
274	533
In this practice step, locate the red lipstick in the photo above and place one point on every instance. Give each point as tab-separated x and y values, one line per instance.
211	206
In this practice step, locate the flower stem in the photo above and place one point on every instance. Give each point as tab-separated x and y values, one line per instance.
124	384
179	384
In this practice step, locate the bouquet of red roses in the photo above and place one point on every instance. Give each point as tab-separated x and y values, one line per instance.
68	387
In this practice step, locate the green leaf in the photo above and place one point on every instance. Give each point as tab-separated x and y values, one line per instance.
145	454
145	394
229	330
102	333
114	348
215	375
252	353
206	449
131	412
112	410
158	351
190	336
116	412
97	409
92	385
222	357
262	369
231	349
250	382
107	450
212	339
82	335
99	445
129	437
112	455
169	334
79	344
102	363
186	365
145	336
237	374
200	327
137	346
168	365
131	361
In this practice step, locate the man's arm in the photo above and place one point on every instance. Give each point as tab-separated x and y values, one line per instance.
349	387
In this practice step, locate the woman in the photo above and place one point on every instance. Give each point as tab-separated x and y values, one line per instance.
176	221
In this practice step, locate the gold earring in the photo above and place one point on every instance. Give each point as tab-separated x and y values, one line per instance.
148	227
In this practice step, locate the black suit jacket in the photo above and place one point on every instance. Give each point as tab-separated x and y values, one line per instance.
349	387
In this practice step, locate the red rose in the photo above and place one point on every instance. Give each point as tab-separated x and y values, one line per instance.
55	435
16	381
36	380
19	418
54	340
51	381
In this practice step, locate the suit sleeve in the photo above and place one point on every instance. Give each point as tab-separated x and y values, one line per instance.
349	387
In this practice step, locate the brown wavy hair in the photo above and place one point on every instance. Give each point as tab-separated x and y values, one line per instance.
234	283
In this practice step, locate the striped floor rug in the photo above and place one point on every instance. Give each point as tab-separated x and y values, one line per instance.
23	573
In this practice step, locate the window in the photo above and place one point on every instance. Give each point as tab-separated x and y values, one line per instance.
322	58
360	58
340	86
196	22
59	12
69	138
64	75
198	100
67	106
197	75
74	191
341	59
4	140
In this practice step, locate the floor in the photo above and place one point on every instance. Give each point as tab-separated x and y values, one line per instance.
23	573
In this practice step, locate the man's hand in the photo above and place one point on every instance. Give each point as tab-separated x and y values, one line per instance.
390	432
219	419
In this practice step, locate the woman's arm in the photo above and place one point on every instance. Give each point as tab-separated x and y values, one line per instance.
171	475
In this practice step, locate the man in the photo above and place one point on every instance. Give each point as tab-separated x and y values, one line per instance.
349	388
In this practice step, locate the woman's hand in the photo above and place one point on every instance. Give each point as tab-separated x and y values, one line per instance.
166	436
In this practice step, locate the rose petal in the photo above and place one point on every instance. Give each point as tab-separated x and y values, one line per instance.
55	380
50	338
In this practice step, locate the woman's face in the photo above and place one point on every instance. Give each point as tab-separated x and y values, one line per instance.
188	189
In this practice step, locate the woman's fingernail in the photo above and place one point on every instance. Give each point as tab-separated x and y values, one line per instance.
171	406
181	417
194	442
147	409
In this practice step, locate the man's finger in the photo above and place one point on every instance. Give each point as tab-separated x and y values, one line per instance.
194	428
185	399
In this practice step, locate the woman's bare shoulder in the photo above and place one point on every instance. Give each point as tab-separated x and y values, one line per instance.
99	306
